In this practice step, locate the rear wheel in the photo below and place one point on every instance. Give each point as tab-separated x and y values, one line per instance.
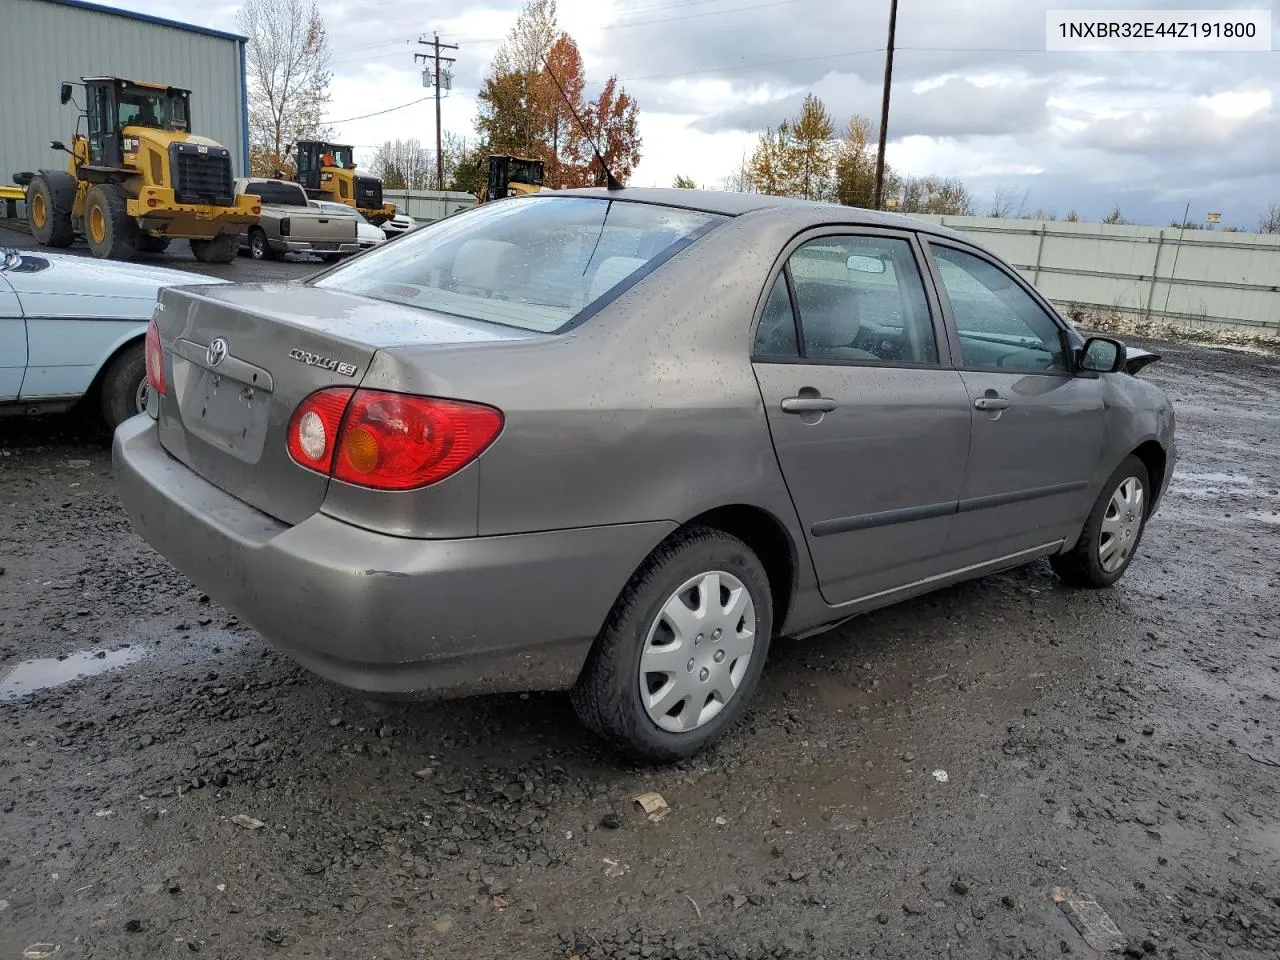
148	243
219	249
1111	534
682	650
259	249
124	386
112	233
50	221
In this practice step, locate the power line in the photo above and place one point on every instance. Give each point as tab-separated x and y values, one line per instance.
366	116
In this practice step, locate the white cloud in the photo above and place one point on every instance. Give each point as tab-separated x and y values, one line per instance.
975	94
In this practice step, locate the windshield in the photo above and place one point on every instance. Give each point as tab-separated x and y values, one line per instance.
329	206
535	263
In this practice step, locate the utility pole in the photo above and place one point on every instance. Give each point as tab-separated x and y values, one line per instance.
436	47
884	106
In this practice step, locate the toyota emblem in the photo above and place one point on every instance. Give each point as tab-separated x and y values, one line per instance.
217	351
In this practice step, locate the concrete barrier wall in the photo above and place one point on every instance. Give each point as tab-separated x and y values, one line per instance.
1195	278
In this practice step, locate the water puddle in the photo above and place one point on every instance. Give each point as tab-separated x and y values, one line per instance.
1211	484
21	679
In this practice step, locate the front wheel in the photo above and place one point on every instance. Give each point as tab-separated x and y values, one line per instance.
1112	532
111	232
682	650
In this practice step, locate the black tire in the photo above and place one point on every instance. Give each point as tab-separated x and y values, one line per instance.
115	235
122	384
259	248
607	696
219	249
149	243
1082	565
48	211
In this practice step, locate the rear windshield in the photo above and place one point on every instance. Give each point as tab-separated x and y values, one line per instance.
536	263
277	193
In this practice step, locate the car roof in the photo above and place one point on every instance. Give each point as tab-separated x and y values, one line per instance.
805	213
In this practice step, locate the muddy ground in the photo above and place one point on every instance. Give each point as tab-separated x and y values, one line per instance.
1120	744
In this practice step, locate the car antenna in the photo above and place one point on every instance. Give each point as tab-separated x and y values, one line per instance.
611	182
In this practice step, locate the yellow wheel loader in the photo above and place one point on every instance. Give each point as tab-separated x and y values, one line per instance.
511	177
327	171
138	178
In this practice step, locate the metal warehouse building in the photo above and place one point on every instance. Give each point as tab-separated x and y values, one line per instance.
48	41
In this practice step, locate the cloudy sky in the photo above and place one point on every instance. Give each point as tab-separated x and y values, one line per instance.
975	94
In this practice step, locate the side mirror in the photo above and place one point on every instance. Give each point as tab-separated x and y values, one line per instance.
58	145
65	95
1102	355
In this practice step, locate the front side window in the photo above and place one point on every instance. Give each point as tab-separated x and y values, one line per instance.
862	299
534	263
1000	326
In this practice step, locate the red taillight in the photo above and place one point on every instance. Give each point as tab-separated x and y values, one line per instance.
389	441
154	357
313	430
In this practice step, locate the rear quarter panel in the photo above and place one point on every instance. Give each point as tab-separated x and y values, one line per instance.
649	411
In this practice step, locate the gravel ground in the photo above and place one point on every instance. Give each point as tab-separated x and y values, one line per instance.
1119	744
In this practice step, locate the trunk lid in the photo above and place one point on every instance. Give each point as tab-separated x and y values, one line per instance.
240	358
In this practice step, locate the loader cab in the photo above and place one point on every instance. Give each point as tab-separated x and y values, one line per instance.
511	176
113	104
315	155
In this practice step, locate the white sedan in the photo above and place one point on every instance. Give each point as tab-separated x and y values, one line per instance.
73	328
367	235
400	224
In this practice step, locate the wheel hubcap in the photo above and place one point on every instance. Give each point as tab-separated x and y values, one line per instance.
97	224
697	651
140	396
37	210
1121	524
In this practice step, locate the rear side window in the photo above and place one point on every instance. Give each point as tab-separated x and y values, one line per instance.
776	334
537	263
862	299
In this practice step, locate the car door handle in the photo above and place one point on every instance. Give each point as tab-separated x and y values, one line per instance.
808	405
991	403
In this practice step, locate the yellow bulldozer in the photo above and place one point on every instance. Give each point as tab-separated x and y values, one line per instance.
511	177
327	171
138	178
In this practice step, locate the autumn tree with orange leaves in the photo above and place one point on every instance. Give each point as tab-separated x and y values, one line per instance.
522	112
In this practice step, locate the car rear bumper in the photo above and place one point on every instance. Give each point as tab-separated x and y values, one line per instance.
307	246
380	614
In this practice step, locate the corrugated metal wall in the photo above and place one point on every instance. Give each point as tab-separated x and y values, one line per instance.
429	205
1197	278
45	43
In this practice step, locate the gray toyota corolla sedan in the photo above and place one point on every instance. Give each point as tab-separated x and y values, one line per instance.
619	442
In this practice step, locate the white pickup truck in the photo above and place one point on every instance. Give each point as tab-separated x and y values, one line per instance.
289	224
